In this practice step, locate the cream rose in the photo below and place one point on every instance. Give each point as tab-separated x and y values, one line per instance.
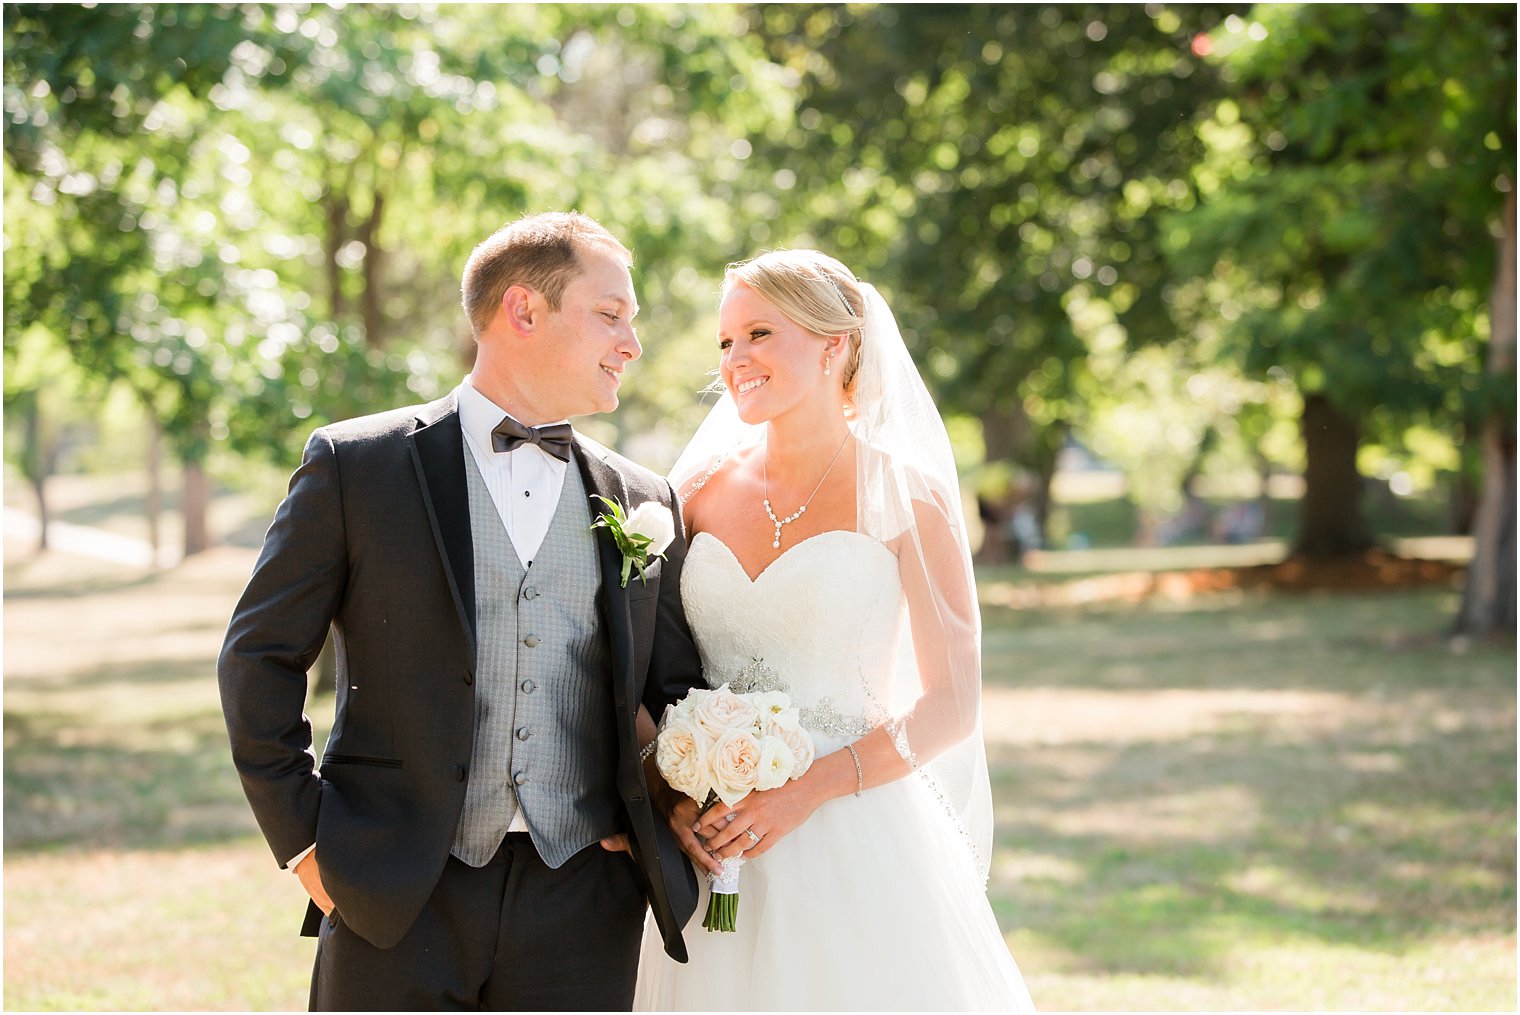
776	763
722	712
801	745
679	755
735	766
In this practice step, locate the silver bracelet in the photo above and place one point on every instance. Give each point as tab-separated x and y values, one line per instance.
860	782
648	750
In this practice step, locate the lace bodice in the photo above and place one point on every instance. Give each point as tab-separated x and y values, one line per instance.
821	623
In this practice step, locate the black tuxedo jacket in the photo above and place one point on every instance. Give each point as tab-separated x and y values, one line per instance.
374	540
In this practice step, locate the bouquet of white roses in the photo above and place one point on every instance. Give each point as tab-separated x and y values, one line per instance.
718	745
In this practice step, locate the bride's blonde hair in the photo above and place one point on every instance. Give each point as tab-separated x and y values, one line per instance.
814	291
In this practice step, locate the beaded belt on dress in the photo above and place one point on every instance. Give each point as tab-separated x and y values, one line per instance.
823	716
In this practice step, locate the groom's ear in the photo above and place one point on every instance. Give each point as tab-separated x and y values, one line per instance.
521	309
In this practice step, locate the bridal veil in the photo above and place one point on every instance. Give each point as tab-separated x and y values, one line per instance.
908	498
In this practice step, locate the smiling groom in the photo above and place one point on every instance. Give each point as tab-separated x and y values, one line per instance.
461	839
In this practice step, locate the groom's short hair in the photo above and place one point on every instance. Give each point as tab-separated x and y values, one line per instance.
540	252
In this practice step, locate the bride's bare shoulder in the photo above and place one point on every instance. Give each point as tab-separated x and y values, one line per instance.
715	483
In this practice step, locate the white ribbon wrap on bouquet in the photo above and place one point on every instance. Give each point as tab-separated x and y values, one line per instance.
727	882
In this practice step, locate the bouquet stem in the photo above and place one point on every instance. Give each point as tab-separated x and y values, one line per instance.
723	902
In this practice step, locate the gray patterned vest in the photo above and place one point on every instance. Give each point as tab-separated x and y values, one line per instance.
545	733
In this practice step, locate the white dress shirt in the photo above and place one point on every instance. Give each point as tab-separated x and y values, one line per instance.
524	483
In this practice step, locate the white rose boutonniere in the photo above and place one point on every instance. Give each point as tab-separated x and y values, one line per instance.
640	535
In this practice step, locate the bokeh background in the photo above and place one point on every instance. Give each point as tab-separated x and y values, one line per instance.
1218	302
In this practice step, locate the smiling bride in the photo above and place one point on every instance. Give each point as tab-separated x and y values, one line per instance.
829	560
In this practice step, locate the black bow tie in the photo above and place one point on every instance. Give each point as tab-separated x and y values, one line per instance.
553	439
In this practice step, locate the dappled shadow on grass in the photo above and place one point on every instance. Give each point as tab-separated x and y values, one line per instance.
1365	800
1182	574
162	783
102	512
250	534
39	690
1346	643
116	580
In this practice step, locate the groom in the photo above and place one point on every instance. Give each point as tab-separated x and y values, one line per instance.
462	837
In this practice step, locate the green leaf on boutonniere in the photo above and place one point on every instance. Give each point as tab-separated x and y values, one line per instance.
634	546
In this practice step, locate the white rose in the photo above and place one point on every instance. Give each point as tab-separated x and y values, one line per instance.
776	763
786	718
801	744
687	705
679	755
722	712
654	520
735	766
770	704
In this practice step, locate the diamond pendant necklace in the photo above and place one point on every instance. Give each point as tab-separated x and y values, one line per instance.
789	519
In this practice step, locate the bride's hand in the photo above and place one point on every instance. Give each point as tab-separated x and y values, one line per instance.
768	814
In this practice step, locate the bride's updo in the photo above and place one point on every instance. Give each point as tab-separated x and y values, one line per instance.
814	291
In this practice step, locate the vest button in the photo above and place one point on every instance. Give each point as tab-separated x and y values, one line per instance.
519	778
527	686
469	678
531	641
459	773
523	733
530	592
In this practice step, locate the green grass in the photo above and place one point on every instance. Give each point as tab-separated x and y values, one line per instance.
1237	801
1254	802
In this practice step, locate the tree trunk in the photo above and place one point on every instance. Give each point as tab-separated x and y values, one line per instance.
1010	436
1331	522
369	299
1462	504
37	462
154	503
1488	601
1005	432
195	501
1048	454
336	206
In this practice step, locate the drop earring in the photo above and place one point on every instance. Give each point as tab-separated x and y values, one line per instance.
827	359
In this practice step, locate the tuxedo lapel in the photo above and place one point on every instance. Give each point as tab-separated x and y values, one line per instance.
438	454
603	480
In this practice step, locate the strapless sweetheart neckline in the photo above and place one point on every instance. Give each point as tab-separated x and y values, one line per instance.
788	552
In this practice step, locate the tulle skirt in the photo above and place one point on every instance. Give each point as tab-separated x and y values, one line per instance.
874	903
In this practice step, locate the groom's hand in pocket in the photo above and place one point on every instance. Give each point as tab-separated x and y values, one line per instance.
311	880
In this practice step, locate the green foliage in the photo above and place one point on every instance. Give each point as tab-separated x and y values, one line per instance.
257	216
1142	225
1001	168
1357	178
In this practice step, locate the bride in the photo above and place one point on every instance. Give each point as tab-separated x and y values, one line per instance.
828	559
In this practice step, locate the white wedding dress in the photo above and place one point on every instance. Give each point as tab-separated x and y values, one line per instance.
875	902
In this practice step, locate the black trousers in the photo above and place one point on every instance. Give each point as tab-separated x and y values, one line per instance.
513	935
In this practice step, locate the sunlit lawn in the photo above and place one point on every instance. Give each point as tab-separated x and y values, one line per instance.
1233	802
1254	802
